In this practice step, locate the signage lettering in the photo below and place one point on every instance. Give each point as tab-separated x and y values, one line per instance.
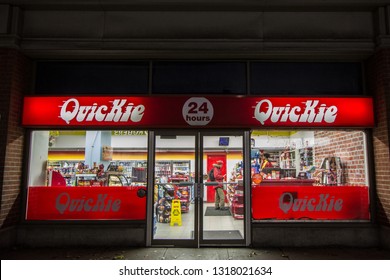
287	203
65	203
119	111
198	111
312	112
184	111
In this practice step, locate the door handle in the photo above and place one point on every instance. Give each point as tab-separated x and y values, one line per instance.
199	190
211	184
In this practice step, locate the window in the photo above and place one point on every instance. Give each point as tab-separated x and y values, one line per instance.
283	78
92	77
87	175
199	77
309	175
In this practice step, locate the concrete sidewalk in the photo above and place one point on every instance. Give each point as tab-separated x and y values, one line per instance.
230	253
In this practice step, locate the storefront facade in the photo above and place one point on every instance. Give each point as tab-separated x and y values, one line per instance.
116	148
162	177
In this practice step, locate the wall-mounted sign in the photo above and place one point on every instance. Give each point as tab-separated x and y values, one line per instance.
187	111
129	132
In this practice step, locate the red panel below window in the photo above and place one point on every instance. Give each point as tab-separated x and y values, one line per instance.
85	203
310	203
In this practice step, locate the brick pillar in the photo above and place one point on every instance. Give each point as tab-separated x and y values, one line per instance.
15	81
378	80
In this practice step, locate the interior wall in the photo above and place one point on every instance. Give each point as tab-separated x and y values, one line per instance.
350	147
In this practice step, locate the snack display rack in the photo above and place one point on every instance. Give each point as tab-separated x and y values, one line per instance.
237	206
181	191
175	188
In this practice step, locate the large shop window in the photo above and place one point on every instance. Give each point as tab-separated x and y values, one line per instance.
87	175
306	78
98	77
309	175
199	77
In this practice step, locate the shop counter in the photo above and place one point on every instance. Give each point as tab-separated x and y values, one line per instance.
286	182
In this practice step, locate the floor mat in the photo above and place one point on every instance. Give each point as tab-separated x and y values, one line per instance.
210	211
221	234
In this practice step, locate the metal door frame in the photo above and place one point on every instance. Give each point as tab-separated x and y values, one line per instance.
198	240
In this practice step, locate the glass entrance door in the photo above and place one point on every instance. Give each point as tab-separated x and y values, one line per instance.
223	200
185	193
175	204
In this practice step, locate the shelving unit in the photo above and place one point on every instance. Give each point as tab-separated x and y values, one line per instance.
306	158
288	163
237	206
287	159
66	169
172	168
165	192
180	167
255	160
182	192
163	168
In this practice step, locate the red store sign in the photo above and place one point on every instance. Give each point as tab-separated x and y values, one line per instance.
310	203
85	203
186	111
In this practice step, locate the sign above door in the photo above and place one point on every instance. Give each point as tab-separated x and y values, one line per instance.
187	111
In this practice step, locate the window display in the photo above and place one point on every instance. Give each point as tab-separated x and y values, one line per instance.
313	175
296	175
71	170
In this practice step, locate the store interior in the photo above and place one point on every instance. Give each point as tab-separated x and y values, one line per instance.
119	158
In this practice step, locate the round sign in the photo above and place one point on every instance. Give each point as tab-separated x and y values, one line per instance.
198	111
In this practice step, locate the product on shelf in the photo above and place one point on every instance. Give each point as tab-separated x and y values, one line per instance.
331	172
237	207
306	158
176	187
135	171
181	191
66	168
163	210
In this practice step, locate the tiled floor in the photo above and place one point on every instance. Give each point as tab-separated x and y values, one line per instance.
165	231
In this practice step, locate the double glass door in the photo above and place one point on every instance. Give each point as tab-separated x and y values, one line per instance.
185	210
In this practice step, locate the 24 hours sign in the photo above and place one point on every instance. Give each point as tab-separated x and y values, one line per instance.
198	111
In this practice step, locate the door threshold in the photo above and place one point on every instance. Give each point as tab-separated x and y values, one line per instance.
223	245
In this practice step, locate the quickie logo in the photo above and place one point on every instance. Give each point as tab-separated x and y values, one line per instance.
310	113
119	111
65	203
287	203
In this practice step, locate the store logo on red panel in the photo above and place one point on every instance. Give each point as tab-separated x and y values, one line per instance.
85	203
187	111
120	111
310	111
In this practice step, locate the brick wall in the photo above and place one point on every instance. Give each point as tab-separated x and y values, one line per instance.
15	81
349	146
378	80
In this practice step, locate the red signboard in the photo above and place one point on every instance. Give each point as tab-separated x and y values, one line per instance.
186	111
85	203
310	203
